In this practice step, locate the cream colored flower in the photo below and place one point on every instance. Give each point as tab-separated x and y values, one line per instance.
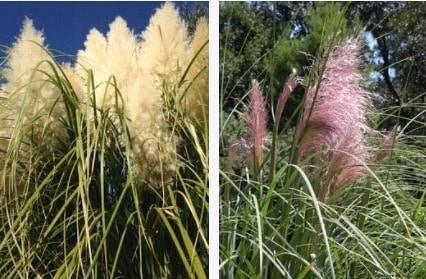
31	100
140	66
197	97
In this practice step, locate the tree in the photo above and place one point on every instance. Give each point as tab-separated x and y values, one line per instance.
375	16
409	25
399	29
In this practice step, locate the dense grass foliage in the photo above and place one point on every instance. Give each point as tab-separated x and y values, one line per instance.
276	219
72	201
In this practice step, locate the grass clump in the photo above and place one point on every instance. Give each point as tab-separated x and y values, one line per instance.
331	196
76	199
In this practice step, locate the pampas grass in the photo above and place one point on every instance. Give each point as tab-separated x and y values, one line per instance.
256	119
335	198
139	68
334	120
197	97
25	72
96	179
249	149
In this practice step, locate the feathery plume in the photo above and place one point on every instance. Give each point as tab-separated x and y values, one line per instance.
23	71
291	83
334	120
30	101
29	95
162	54
93	57
25	54
117	54
140	67
250	149
257	120
113	55
197	97
163	50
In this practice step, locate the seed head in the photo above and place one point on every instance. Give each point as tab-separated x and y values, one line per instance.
334	119
257	119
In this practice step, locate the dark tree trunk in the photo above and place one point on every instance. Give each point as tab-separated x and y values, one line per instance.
384	51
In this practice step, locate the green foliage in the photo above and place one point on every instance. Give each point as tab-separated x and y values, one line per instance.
244	39
410	55
278	228
398	40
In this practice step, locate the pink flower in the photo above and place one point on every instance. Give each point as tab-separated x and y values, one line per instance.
289	86
334	119
256	119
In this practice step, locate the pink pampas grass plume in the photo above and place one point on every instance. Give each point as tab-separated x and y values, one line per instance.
292	81
250	149
257	118
334	120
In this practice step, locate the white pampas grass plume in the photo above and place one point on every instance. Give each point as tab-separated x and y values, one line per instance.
30	97
29	100
113	55
25	54
162	58
26	60
164	44
121	55
140	67
197	97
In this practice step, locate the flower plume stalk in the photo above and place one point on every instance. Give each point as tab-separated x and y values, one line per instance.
288	88
292	81
334	120
257	119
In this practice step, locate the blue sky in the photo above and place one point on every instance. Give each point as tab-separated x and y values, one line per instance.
66	24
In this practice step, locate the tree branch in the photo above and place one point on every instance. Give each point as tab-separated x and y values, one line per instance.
384	52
